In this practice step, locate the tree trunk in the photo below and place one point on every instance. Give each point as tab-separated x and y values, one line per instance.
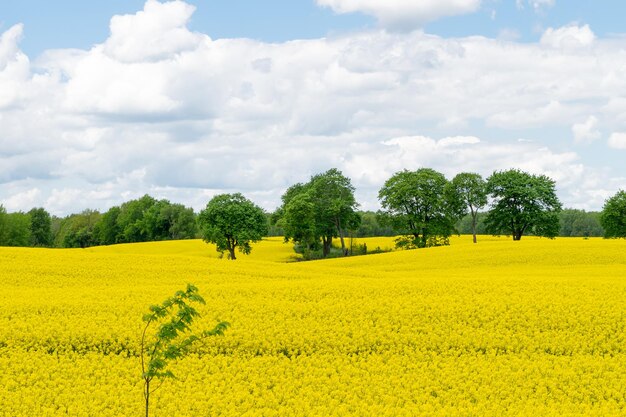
424	239
231	251
474	225
147	396
416	239
231	243
326	243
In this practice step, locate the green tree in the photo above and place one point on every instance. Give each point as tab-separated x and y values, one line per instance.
40	227
332	195
522	203
320	210
299	222
274	228
146	219
613	216
17	229
4	228
416	204
464	225
181	221
580	223
167	221
131	220
232	221
370	226
173	337
78	230
108	230
471	190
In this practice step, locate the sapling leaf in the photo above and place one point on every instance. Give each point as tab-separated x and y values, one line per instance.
173	337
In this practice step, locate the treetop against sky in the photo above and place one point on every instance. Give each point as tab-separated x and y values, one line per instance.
101	102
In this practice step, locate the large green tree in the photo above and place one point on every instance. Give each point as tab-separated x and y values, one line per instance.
79	230
471	191
298	222
613	216
320	210
332	194
108	230
231	221
14	228
522	203
167	221
416	204
40	227
130	220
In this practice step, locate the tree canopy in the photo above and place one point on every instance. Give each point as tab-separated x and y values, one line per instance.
416	204
613	216
522	203
580	223
231	221
40	227
14	228
471	191
79	230
422	205
320	210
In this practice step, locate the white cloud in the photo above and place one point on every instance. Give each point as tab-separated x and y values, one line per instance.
189	117
403	14
617	140
157	32
14	68
8	45
451	155
547	113
508	34
586	132
21	200
568	37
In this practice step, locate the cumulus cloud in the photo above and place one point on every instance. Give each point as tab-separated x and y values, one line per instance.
403	14
8	45
14	68
586	132
189	117
452	155
26	198
550	112
617	140
570	36
157	32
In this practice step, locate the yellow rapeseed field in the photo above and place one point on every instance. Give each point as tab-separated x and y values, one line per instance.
502	328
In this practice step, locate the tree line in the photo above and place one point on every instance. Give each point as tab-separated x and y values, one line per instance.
422	207
140	220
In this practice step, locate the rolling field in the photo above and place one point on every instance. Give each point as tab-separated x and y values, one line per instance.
502	328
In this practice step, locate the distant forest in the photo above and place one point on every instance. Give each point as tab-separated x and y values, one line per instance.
148	219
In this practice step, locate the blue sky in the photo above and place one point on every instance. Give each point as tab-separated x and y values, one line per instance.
103	101
80	24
